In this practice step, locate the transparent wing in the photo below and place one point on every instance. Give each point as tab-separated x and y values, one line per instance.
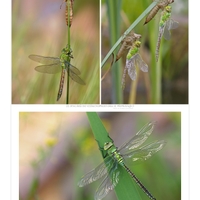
173	24
140	63
44	59
93	175
109	182
76	78
96	173
138	139
49	69
170	24
130	65
72	68
145	152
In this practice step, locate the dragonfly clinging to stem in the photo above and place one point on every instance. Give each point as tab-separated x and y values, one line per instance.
165	25
53	65
127	43
160	5
133	60
115	159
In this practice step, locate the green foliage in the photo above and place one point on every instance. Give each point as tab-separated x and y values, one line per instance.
125	189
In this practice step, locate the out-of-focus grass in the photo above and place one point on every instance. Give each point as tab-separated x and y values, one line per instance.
167	80
39	28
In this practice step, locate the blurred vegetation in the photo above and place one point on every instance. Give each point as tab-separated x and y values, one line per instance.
167	80
77	153
39	27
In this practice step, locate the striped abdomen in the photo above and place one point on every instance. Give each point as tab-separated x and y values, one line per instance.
139	182
62	79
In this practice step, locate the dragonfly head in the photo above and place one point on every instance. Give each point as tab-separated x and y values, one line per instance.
107	145
137	43
168	9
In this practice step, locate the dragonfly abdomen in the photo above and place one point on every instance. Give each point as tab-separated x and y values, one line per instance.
161	30
139	182
62	79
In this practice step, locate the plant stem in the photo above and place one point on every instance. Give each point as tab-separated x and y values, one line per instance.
67	95
114	30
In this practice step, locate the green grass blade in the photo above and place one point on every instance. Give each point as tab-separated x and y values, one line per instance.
113	9
67	94
125	189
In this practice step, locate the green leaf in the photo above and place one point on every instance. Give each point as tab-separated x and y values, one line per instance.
125	189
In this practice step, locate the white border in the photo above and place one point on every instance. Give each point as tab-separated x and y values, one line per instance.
153	108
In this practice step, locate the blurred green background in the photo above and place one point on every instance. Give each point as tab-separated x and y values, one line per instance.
55	153
167	81
39	27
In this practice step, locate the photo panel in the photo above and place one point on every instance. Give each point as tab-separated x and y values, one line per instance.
144	48
55	61
59	150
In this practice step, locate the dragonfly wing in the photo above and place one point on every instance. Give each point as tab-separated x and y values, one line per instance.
93	175
49	69
140	63
76	78
72	68
167	33
109	182
130	65
143	153
173	24
44	59
139	138
170	24
96	173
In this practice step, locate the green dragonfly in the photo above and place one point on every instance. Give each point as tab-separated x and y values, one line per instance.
127	43
133	59
115	158
165	25
160	5
53	65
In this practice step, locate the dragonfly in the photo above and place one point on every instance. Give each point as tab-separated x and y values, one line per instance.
53	65
127	43
69	7
165	25
133	59
115	158
160	5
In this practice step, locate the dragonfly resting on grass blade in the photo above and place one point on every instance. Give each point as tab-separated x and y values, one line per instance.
53	65
114	158
165	25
